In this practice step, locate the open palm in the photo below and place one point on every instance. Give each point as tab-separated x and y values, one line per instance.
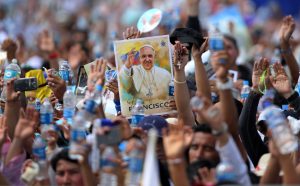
97	74
280	81
26	124
174	142
287	28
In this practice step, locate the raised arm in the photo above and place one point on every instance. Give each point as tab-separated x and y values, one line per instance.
227	105
182	96
286	31
12	106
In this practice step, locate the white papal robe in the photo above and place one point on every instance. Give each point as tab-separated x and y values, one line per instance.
147	85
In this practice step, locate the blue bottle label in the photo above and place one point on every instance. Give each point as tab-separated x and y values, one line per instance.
9	74
37	106
135	120
46	118
68	113
216	44
107	163
136	164
244	95
39	153
171	90
64	74
78	135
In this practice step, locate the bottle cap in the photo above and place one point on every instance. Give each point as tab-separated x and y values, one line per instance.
245	82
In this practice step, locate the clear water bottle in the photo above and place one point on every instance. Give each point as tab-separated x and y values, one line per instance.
12	71
69	104
196	103
266	100
108	166
137	112
136	161
37	104
225	172
284	140
64	71
171	89
276	58
89	112
97	94
46	117
78	135
245	90
39	152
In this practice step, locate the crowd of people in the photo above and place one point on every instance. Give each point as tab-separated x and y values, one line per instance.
237	113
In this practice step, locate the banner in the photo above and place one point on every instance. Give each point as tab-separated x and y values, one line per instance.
144	72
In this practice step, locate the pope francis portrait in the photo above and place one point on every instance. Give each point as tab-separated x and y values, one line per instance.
145	81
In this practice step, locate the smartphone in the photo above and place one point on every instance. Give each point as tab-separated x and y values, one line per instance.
25	84
112	137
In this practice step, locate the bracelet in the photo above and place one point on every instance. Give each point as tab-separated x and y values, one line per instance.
175	161
225	86
179	82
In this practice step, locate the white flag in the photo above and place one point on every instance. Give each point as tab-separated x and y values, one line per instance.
151	171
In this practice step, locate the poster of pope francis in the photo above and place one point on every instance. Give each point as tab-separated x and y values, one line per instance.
144	72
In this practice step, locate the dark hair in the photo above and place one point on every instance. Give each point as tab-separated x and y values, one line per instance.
61	155
203	127
232	40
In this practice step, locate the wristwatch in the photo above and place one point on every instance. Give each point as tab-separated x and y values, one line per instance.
225	86
221	131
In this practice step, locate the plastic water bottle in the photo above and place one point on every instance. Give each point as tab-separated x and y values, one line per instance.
64	71
89	112
276	58
284	140
46	117
37	104
69	104
138	113
245	90
225	172
12	71
171	89
78	135
39	152
136	161
196	103
108	178
216	41
266	100
97	94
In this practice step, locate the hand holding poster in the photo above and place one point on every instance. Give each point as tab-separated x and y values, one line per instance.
144	72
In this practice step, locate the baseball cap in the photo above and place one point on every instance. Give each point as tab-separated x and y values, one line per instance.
153	121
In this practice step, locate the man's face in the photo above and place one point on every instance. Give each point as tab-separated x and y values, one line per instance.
68	173
233	53
203	147
147	58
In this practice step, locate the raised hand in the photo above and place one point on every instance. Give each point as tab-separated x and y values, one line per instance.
112	85
130	58
287	28
260	69
281	81
175	141
97	74
11	94
131	33
125	126
46	41
28	120
197	52
221	69
180	56
57	85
